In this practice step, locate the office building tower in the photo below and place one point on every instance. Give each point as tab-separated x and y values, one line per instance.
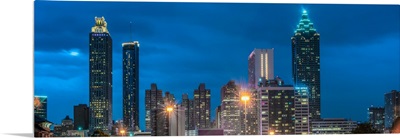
202	107
249	105
189	112
261	65
302	113
176	121
130	94
81	117
376	116
230	110
154	98
159	123
306	62
277	107
100	77
169	99
40	106
218	115
392	108
57	130
332	126
66	124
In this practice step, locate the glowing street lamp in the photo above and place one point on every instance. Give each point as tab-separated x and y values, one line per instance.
245	98
122	132
170	109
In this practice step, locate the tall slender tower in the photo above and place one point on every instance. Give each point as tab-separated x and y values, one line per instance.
130	84
100	77
202	107
305	63
392	108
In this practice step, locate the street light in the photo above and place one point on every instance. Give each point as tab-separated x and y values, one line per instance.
245	98
122	132
170	109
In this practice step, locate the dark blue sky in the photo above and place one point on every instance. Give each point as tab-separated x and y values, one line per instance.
184	44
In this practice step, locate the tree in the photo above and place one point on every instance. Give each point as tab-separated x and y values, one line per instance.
365	128
99	133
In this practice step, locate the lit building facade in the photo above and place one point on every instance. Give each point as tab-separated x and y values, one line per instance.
392	108
81	117
159	122
40	106
261	65
376	116
332	126
154	98
100	77
189	112
302	113
176	121
202	107
130	94
277	107
306	62
218	116
230	109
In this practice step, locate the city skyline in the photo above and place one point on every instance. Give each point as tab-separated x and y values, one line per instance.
76	57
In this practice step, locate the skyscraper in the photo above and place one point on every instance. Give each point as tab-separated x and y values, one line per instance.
306	62
189	112
40	106
277	107
302	113
218	117
261	65
81	117
230	110
376	116
169	99
392	108
130	85
202	107
154	100
100	77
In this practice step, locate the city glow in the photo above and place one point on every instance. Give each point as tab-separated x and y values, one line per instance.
122	131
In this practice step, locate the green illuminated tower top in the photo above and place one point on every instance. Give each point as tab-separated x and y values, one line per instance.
305	27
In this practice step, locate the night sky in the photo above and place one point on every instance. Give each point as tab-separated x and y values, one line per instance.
185	44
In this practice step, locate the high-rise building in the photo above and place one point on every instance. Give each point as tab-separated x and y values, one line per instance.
100	77
302	113
306	62
57	130
169	99
66	124
392	108
40	106
218	116
81	117
176	121
230	109
249	105
261	65
277	107
130	92
189	112
376	116
332	126
202	107
159	124
154	99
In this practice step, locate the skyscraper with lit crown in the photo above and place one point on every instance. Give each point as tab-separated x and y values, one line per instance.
306	63
100	77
